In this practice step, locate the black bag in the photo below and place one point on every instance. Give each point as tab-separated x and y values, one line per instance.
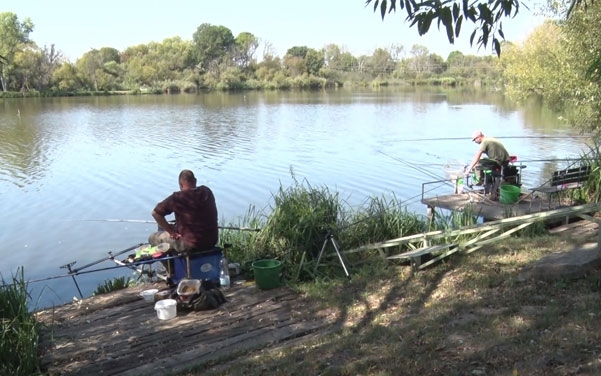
209	297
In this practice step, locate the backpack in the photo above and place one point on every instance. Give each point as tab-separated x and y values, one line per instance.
209	297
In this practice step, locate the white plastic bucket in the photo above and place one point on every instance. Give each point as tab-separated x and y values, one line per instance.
148	295
166	309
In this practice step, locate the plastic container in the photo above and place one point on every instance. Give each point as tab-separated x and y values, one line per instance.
224	273
267	273
188	287
166	309
148	295
509	194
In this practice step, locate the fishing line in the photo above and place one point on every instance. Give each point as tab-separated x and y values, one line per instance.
411	165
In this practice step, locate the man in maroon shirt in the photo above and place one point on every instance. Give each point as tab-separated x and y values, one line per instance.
196	224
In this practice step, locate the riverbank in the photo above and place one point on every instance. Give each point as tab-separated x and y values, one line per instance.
474	314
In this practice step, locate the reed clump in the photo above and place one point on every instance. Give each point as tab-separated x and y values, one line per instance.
20	330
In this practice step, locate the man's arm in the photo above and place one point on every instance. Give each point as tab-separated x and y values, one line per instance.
162	222
474	161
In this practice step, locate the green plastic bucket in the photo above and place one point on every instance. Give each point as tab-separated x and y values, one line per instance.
267	273
509	194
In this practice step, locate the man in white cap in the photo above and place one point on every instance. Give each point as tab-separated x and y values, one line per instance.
490	146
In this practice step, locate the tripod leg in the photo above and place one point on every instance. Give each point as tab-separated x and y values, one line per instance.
325	242
340	258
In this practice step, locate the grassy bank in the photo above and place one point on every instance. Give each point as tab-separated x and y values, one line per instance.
471	315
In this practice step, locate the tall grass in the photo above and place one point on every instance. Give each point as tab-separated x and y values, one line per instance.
592	188
380	219
19	342
301	219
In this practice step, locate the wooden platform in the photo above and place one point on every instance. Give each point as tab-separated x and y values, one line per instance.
120	333
488	209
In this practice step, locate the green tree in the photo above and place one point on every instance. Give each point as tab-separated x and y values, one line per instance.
14	35
211	44
294	60
246	45
486	15
34	68
99	68
539	67
557	65
139	66
65	78
336	59
380	62
314	61
582	30
419	61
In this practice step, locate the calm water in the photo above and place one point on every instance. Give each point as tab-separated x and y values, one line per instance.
70	164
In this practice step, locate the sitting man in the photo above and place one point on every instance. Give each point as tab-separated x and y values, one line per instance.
494	150
196	225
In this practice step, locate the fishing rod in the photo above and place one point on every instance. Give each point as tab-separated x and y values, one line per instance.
74	272
521	160
110	257
153	222
117	266
499	137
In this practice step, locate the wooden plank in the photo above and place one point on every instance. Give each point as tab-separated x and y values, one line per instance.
420	251
129	339
415	256
487	226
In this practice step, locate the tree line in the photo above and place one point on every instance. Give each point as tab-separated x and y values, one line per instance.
216	60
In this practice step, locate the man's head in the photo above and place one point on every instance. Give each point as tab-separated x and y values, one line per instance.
187	180
477	136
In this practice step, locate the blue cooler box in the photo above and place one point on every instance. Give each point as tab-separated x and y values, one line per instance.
203	266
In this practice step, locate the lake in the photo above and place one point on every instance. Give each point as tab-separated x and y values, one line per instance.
71	166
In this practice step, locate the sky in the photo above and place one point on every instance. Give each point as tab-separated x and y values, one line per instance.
77	26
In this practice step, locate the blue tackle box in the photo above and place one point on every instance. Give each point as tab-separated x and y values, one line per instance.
203	266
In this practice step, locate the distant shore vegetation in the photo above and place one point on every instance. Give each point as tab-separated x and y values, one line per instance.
216	60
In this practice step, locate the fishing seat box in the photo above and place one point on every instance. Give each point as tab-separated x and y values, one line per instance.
202	265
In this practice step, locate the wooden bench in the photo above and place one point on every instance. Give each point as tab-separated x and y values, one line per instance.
563	180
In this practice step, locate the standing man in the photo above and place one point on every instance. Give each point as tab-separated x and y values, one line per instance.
196	224
492	147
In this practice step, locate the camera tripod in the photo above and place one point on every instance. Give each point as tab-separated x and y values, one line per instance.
330	238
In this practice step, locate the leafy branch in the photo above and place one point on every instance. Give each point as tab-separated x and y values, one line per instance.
451	14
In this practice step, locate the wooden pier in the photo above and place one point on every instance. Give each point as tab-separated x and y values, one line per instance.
482	206
120	334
